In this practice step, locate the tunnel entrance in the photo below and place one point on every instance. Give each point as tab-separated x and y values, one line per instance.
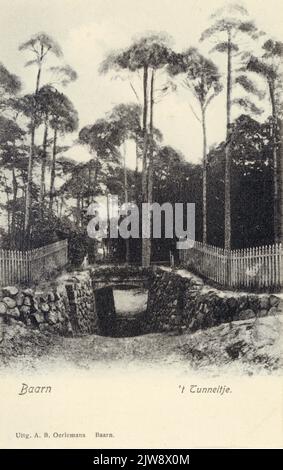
121	310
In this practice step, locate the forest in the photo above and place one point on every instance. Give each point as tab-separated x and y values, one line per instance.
237	188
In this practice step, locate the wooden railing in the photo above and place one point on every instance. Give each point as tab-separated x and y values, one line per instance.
256	268
25	267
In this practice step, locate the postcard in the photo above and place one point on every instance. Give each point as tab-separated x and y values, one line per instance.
141	224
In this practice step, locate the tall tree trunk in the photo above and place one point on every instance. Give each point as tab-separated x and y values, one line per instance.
97	168
276	170
227	177
38	77
28	201
145	134
108	225
144	159
137	169
43	170
127	241
13	222
89	184
204	178
28	191
53	167
137	157
150	163
150	169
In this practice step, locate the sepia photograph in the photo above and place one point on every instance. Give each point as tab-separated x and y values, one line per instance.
141	224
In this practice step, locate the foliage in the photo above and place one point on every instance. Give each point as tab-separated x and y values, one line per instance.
149	51
231	23
201	75
40	44
103	138
251	185
9	83
77	247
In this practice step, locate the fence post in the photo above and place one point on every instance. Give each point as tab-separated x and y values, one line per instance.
281	265
22	266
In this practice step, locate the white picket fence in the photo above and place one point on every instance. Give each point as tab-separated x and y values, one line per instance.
33	265
256	268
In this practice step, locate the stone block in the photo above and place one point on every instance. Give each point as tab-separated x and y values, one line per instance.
14	312
27	301
274	301
10	291
42	297
254	302
52	317
20	299
25	309
273	311
39	316
28	292
11	303
264	302
3	308
246	314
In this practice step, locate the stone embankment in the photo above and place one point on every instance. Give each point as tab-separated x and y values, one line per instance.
83	303
179	301
67	309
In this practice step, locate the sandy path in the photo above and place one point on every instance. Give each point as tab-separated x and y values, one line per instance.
249	347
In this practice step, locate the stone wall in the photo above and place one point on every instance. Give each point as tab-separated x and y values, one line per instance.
178	301
78	304
67	308
82	308
45	310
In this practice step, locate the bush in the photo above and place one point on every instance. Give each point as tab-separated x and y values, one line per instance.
78	245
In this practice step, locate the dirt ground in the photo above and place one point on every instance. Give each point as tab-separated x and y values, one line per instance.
248	347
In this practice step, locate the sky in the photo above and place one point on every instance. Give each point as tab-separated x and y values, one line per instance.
89	29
